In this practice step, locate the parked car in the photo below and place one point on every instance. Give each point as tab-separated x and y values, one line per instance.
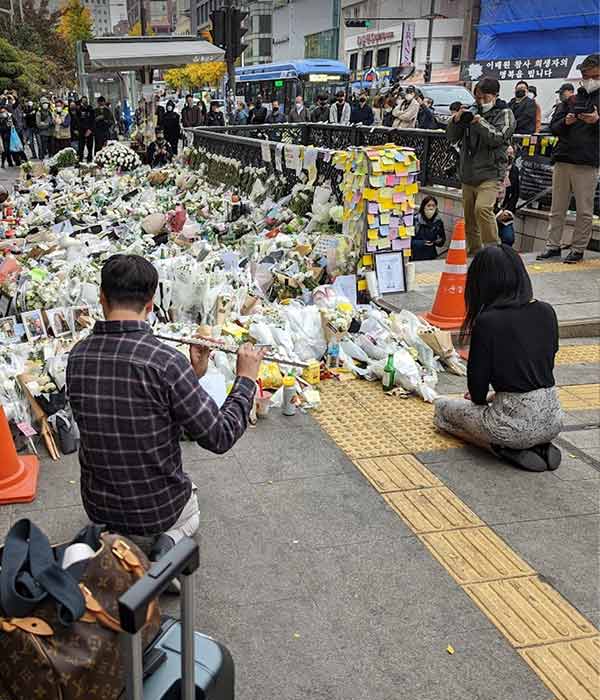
443	96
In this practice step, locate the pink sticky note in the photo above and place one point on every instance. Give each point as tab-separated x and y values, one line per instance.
408	219
393	233
394	222
396	244
399	197
371	247
404	243
390	180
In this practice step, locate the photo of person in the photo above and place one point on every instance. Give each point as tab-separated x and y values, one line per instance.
57	319
80	318
8	330
34	325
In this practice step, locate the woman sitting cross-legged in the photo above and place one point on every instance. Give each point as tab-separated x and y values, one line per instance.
514	339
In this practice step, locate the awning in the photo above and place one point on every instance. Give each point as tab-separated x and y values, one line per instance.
133	53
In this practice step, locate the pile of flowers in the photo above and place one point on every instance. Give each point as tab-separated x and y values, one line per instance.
66	158
118	157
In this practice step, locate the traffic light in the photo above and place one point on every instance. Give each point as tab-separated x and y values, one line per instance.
357	22
235	47
219	28
427	73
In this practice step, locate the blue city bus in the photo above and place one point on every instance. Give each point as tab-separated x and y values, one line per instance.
308	77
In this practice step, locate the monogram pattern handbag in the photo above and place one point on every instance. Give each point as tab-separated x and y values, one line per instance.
59	629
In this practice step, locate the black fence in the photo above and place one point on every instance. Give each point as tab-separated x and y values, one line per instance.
439	159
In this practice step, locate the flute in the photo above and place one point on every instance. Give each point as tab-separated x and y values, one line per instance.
215	345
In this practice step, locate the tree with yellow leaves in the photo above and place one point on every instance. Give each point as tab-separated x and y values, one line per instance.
196	75
136	30
75	23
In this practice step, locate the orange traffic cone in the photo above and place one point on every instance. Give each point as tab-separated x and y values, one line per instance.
18	475
448	310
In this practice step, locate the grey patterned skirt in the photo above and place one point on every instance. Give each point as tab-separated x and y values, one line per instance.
517	421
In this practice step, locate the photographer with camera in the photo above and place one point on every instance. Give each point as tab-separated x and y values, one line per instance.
576	158
483	131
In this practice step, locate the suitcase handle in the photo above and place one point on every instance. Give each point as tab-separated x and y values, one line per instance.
181	561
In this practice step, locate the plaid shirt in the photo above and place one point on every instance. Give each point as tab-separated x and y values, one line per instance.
131	396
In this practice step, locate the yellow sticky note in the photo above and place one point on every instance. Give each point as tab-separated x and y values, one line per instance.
412	189
370	194
402	232
367	260
531	150
376	166
372	234
526	141
371	218
407	252
386	205
362	285
400	169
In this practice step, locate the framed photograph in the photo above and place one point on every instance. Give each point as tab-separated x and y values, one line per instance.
391	278
57	320
34	325
8	330
80	317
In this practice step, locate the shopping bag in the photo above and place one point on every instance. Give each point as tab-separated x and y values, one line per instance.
15	142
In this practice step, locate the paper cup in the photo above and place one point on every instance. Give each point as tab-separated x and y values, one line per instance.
263	403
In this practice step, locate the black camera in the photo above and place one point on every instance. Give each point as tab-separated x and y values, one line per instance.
467	116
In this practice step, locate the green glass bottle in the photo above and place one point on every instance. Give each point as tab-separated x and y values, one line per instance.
389	373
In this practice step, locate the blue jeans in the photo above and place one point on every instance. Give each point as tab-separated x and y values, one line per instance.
506	233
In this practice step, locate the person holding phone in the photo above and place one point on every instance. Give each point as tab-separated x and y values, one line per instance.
576	159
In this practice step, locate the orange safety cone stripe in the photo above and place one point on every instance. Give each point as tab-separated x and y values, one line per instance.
18	475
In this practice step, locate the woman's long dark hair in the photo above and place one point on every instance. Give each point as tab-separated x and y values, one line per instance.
496	278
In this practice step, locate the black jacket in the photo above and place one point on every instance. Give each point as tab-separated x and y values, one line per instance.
87	119
103	121
427	231
215	119
524	112
511	196
258	115
320	114
362	115
578	143
192	116
159	155
30	122
425	118
171	126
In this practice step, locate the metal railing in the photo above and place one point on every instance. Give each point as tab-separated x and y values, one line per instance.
438	158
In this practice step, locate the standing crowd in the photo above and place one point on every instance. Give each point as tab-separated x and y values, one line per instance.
42	129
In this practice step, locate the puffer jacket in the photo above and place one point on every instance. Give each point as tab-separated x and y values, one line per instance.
578	143
427	231
483	145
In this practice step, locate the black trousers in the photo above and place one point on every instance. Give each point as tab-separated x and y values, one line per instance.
86	142
100	138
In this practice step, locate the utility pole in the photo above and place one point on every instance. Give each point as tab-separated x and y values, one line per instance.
142	18
427	72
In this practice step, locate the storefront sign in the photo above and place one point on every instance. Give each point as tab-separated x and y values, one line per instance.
373	38
408	40
521	68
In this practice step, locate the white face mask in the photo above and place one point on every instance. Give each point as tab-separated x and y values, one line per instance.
409	97
590	85
486	106
429	211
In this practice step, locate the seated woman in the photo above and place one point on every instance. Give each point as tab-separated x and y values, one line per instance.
514	339
429	231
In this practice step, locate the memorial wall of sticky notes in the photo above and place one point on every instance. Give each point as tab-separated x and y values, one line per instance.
389	194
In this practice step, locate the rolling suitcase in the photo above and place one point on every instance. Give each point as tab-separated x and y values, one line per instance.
181	664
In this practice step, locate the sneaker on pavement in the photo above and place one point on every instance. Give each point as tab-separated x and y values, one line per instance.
526	459
161	546
573	257
550	453
549	253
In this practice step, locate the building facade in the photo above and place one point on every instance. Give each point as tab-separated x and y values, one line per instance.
393	43
259	23
160	15
306	29
101	16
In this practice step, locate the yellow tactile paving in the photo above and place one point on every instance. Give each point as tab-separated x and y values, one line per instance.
570	669
432	510
397	473
578	355
475	555
529	612
580	396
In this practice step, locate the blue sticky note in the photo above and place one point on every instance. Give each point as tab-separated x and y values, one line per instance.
384	230
400	156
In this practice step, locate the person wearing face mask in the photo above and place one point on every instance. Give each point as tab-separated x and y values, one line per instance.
340	111
524	109
483	132
159	152
171	126
406	110
532	94
362	113
506	202
86	118
576	158
429	231
31	130
103	123
320	112
5	128
564	93
259	113
215	116
276	116
62	126
45	125
298	113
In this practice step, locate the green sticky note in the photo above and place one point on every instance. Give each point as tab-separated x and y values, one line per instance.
38	274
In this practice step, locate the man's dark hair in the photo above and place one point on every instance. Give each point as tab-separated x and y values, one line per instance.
488	86
522	82
101	100
340	93
128	281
